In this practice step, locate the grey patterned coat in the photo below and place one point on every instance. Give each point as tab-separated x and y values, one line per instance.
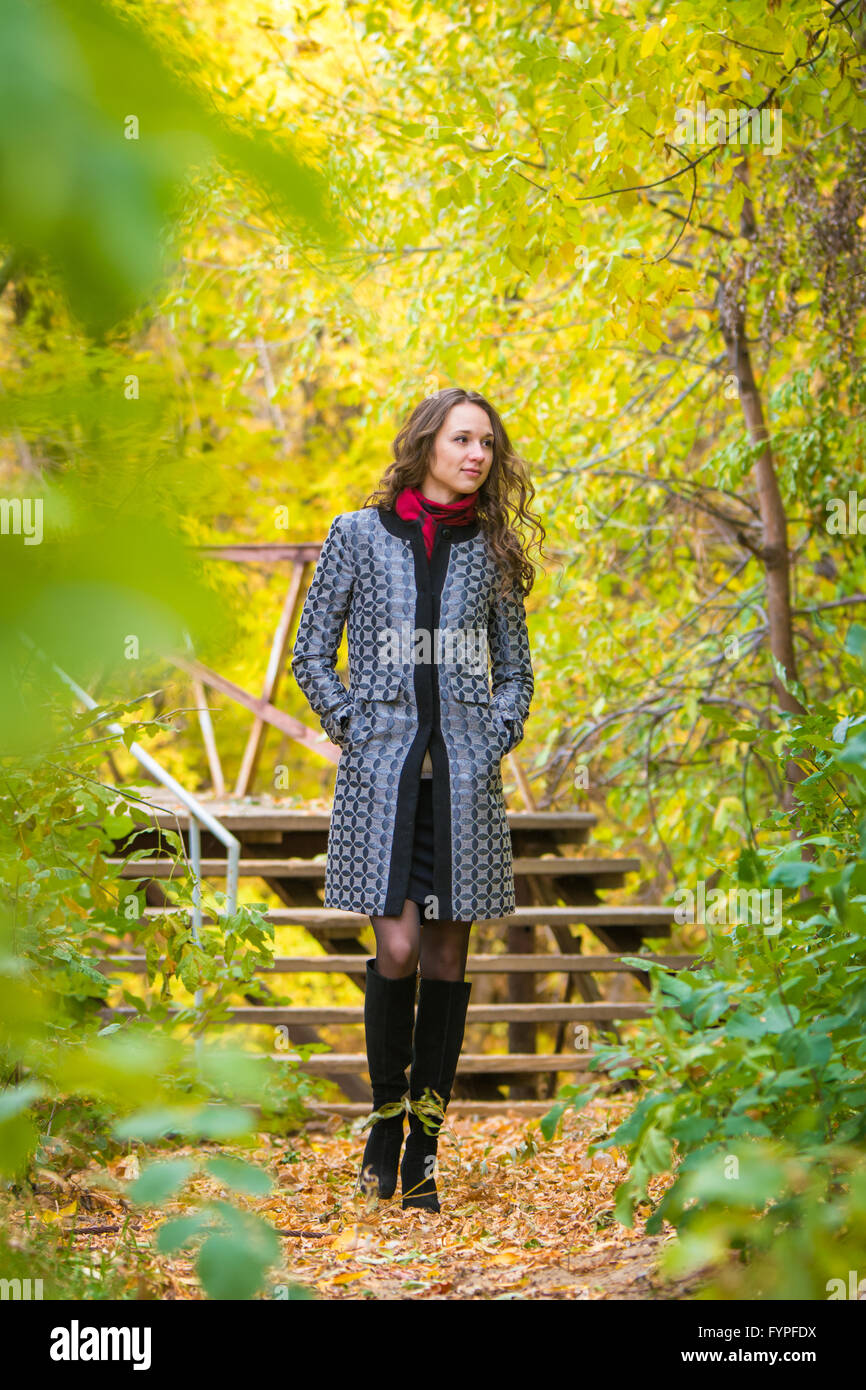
374	575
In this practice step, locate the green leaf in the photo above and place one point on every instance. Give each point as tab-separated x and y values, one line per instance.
780	1017
175	1234
241	1176
854	753
155	1123
196	1122
655	1150
754	1179
225	1122
230	1267
116	826
750	868
159	1181
792	873
78	184
549	1123
19	1138
18	1098
692	1130
855	641
623	1207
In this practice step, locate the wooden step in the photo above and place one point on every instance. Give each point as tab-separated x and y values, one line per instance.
478	1013
501	964
251	814
556	866
470	1063
327	921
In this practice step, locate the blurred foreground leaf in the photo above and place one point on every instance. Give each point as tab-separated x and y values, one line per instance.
97	136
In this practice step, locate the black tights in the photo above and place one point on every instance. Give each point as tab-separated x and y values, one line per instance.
401	943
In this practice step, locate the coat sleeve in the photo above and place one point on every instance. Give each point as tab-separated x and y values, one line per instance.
320	630
510	662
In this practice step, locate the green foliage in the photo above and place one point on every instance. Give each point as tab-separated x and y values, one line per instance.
755	1059
238	1248
79	1087
236	1251
775	1220
97	136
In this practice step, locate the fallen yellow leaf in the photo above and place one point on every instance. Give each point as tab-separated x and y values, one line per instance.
347	1239
51	1216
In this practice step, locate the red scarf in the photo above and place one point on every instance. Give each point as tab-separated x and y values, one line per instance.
412	503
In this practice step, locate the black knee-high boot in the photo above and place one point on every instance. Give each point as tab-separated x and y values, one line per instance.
439	1027
389	1012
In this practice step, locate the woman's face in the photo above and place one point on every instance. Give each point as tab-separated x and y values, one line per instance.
462	454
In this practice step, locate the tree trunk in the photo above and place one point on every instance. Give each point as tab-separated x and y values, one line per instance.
773	554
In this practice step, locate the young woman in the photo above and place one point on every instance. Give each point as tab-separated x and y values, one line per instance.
430	580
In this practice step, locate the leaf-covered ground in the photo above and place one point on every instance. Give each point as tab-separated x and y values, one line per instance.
521	1218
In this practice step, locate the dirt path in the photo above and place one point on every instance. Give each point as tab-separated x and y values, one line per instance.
521	1218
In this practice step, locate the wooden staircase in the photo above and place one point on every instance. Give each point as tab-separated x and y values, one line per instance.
557	891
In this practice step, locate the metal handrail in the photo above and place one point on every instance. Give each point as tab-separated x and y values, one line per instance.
199	816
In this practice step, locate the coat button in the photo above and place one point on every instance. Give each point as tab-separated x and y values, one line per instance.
446	531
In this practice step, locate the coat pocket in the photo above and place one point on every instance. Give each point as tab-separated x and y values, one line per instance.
374	709
471	688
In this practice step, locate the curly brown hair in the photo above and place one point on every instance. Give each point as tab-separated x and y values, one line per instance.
503	495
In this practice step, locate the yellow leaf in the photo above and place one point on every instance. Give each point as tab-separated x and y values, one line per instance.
574	138
649	42
350	1237
347	1277
49	1217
